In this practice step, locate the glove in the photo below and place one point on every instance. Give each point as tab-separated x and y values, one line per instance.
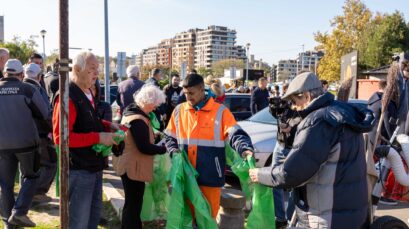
174	152
382	151
117	150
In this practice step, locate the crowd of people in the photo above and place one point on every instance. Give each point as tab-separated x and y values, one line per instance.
319	155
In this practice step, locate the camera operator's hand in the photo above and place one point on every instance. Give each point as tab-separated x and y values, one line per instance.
285	128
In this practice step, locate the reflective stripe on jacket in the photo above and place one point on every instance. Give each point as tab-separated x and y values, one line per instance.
203	135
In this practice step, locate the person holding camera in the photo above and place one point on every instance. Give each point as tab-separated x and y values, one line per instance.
288	120
326	165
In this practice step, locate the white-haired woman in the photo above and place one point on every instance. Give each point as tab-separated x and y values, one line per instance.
135	165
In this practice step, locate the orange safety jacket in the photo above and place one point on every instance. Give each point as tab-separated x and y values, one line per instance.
203	135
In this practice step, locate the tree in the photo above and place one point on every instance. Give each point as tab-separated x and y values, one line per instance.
219	66
50	59
20	49
204	71
344	38
386	35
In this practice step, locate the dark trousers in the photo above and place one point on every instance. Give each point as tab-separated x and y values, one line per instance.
29	167
131	213
48	162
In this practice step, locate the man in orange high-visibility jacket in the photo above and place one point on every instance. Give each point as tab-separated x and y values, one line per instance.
202	127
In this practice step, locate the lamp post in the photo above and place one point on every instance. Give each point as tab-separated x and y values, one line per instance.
43	32
247	64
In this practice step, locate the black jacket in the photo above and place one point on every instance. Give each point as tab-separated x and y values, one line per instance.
259	100
44	126
87	120
140	132
20	104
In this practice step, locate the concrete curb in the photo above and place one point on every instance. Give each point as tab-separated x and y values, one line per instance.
115	198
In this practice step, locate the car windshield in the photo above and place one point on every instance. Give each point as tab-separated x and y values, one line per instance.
263	116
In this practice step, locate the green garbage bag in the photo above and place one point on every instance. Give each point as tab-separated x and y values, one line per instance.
154	122
156	196
179	216
240	168
184	186
106	150
262	215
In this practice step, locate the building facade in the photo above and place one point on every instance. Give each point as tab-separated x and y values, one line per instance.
286	69
165	52
213	44
150	56
195	47
309	60
183	49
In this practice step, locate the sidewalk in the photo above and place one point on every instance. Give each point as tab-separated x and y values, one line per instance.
114	191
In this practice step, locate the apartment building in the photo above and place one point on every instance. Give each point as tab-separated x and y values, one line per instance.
287	67
309	60
150	56
164	51
213	44
183	49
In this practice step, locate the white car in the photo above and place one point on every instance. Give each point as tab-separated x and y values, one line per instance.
262	129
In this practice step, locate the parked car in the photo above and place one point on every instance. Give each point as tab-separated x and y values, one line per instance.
262	129
239	105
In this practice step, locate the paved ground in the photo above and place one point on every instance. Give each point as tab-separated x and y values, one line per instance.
400	211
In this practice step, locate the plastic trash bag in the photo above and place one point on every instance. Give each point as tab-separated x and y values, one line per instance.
240	168
156	196
184	186
106	150
262	215
154	122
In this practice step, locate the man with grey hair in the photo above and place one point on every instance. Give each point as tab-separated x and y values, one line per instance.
85	130
128	87
326	165
48	156
19	140
4	56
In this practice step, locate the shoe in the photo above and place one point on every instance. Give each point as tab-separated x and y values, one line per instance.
21	220
281	224
42	198
387	201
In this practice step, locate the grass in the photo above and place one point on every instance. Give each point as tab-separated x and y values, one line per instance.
108	213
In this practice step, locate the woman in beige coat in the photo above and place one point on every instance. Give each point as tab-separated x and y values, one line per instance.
135	165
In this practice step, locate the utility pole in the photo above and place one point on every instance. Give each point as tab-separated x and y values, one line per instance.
63	98
107	86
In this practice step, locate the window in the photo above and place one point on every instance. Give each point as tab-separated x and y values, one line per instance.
238	104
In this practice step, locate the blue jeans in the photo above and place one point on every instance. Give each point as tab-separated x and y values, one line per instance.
29	167
279	155
85	190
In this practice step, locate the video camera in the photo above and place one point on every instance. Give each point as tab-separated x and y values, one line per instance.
278	106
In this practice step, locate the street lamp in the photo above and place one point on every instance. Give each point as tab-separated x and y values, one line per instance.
247	64
43	32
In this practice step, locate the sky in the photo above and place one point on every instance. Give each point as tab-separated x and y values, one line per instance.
275	29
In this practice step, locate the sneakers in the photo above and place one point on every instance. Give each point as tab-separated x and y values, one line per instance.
387	201
21	220
42	199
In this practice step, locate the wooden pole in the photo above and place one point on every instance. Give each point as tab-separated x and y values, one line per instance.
63	98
